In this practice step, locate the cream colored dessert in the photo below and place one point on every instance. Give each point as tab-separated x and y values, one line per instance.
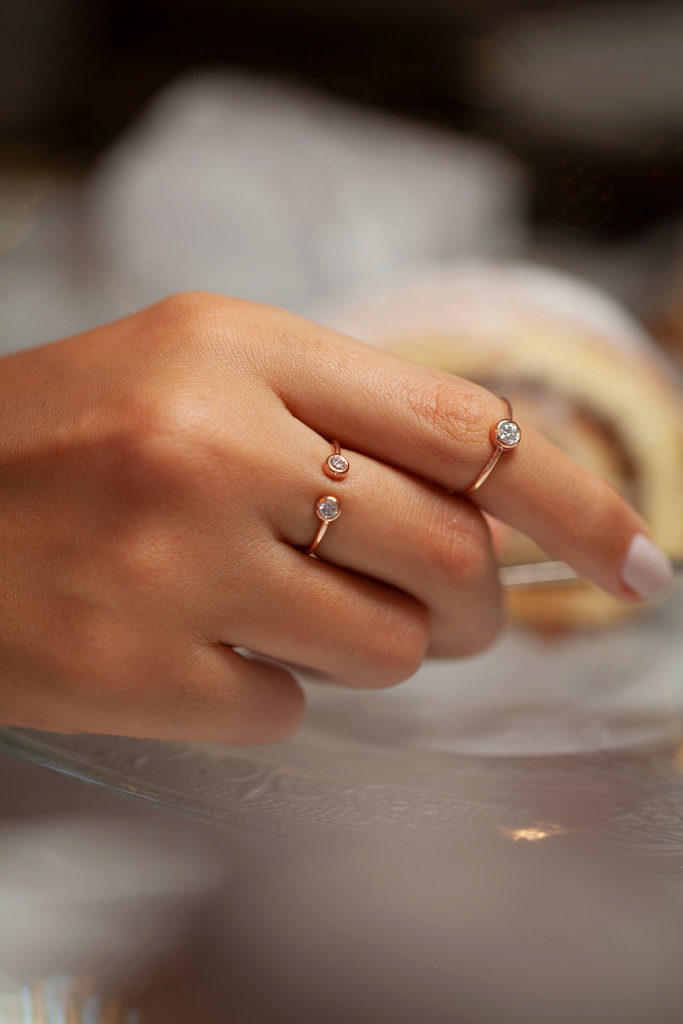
572	363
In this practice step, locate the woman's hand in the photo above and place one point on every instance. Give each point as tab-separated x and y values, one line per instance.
157	486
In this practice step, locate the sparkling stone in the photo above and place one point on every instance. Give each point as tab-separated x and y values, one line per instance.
508	433
339	463
327	508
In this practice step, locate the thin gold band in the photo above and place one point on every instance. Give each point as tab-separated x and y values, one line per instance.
318	537
505	435
327	508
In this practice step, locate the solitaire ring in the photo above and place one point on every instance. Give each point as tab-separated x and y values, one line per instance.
505	435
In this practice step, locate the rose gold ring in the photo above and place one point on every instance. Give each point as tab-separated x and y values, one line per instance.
327	508
336	465
505	435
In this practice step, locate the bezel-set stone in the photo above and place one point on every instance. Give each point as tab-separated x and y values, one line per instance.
508	434
327	508
339	464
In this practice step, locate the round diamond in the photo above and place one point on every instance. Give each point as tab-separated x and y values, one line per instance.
327	508
508	433
339	463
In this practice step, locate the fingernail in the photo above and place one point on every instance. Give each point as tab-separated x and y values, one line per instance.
646	569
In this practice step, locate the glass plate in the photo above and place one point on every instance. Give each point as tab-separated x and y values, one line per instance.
535	738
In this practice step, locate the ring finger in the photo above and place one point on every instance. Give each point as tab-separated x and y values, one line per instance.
406	532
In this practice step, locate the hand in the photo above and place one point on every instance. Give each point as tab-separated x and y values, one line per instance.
157	483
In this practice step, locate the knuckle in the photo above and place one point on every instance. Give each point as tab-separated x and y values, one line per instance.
452	419
283	724
257	717
207	327
187	306
175	413
168	442
485	631
474	630
400	644
459	546
199	323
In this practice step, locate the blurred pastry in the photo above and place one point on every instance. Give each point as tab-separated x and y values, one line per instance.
576	366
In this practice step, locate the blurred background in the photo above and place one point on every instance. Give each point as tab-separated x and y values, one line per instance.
313	155
543	128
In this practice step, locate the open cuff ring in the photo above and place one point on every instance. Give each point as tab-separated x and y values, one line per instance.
327	508
505	435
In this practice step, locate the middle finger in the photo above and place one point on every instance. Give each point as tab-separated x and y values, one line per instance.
404	531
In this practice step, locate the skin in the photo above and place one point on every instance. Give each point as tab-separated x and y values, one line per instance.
157	483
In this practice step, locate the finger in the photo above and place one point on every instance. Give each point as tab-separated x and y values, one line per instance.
355	630
401	530
235	699
218	695
436	425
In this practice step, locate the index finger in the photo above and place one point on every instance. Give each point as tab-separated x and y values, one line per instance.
437	426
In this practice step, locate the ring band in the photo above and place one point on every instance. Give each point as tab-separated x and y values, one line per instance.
327	510
327	507
505	435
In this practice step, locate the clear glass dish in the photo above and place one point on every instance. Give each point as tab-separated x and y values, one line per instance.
535	738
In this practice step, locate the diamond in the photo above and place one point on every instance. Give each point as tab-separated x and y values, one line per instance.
338	463
327	508
508	434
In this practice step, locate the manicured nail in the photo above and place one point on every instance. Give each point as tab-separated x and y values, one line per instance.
646	569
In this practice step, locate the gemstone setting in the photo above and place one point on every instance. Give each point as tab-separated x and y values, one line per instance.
327	508
507	434
338	464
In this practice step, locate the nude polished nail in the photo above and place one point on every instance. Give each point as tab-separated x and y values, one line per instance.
646	568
